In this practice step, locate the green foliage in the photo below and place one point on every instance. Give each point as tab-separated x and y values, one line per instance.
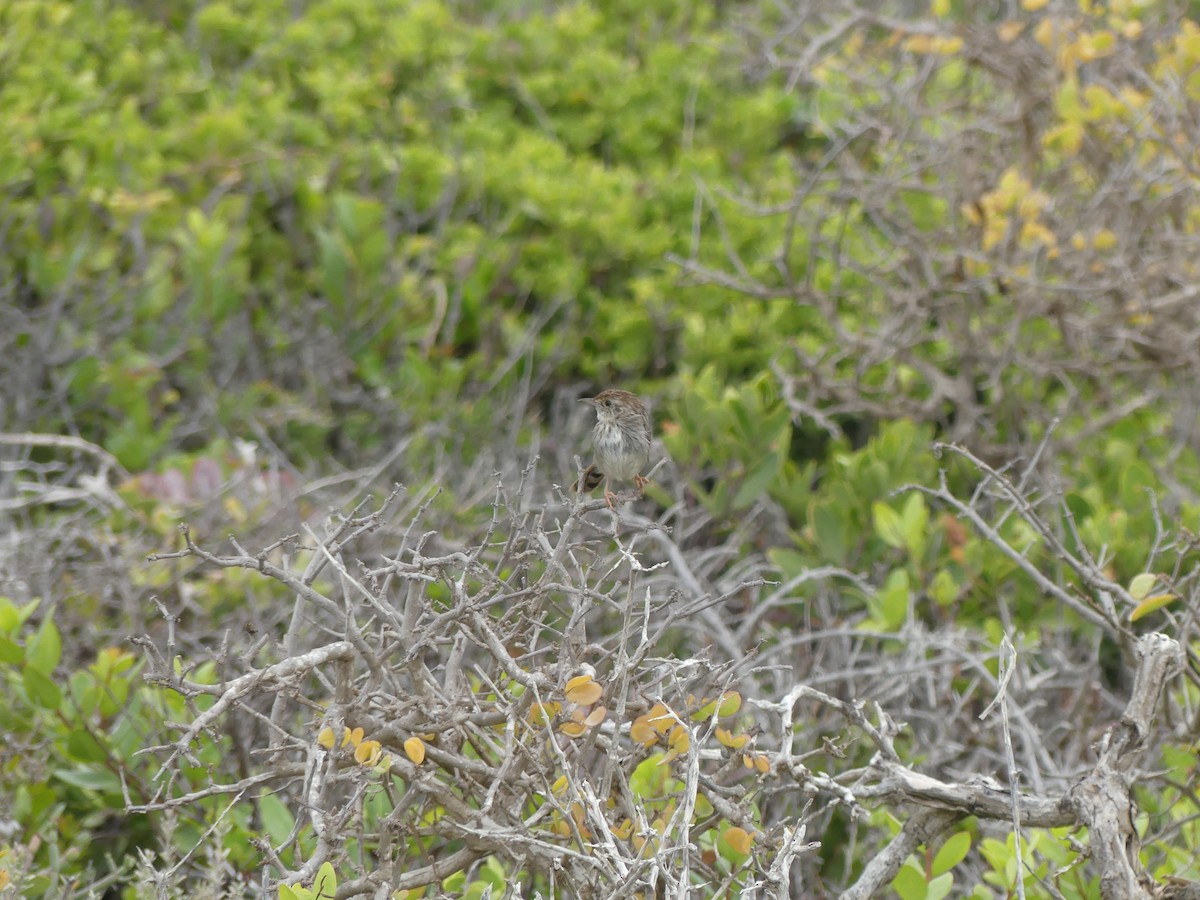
433	181
744	433
850	520
324	886
932	879
1046	855
82	735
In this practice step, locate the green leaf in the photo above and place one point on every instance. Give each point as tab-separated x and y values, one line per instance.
493	873
790	563
11	652
325	884
888	524
83	746
909	882
828	524
756	483
12	616
915	525
1140	586
951	853
44	649
276	818
944	589
1080	509
41	690
939	887
889	605
91	779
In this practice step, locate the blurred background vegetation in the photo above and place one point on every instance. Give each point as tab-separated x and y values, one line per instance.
262	257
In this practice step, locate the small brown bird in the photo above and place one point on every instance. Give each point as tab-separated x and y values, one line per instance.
621	440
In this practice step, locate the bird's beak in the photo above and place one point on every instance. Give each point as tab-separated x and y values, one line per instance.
591	401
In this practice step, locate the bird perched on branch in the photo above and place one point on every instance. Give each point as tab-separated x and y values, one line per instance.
620	440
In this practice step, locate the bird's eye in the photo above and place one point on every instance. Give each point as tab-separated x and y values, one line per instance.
608	403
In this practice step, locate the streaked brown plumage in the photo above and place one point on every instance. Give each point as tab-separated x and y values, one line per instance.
621	442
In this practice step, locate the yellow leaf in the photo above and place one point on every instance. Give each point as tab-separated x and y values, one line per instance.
368	752
580	818
679	739
1105	239
1044	34
919	43
1149	605
733	743
1095	46
325	738
642	732
572	729
660	718
1066	138
1010	31
543	713
353	737
731	702
595	717
739	840
1033	5
560	785
582	689
624	830
414	749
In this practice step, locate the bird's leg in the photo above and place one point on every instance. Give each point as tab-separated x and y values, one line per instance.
641	481
609	497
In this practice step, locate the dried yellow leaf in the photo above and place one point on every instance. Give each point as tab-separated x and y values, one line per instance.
725	736
739	840
642	732
660	718
368	752
414	749
624	830
680	739
1010	31
582	689
572	729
